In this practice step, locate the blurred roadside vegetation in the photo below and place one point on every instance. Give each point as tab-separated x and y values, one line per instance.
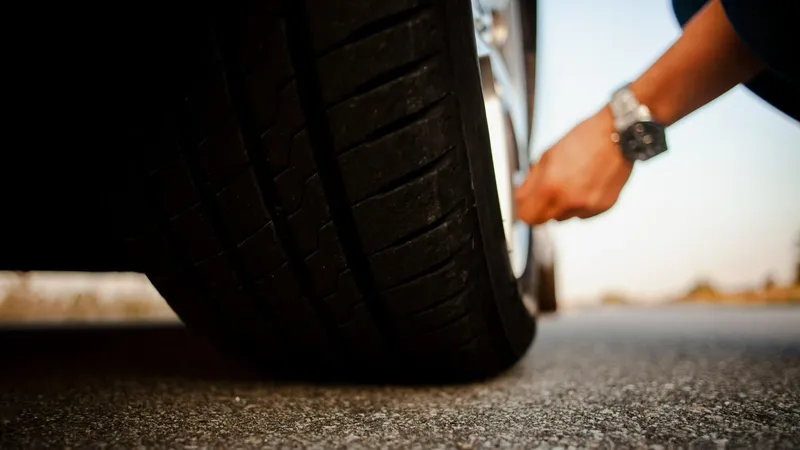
22	303
769	291
704	290
615	299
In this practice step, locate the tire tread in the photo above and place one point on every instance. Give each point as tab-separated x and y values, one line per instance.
329	218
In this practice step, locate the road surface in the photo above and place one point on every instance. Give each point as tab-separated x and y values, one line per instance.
688	376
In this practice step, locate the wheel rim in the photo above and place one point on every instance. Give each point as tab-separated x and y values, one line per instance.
498	33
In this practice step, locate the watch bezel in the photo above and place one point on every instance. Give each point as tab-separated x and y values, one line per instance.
642	140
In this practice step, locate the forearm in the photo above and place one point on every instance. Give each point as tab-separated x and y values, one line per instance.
704	63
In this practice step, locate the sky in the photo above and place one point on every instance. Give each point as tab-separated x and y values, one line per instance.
722	203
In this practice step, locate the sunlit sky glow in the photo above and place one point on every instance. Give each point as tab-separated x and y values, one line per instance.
722	203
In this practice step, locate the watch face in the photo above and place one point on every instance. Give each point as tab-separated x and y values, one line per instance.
643	140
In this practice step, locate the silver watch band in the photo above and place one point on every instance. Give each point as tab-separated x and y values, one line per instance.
626	109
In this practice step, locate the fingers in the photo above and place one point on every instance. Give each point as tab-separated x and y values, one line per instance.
531	203
585	211
547	212
546	196
561	216
569	213
539	201
552	206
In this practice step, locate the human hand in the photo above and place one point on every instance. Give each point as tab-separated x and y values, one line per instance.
580	176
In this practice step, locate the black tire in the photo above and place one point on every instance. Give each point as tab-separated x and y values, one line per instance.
318	187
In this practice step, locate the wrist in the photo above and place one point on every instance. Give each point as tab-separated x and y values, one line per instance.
605	117
655	96
706	61
638	132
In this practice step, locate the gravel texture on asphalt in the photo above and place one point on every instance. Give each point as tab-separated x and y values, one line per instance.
666	377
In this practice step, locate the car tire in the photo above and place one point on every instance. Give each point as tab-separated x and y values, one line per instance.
310	183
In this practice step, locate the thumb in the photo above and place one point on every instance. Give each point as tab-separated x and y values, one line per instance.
526	187
526	197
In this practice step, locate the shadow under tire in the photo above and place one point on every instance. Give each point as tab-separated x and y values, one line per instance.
313	187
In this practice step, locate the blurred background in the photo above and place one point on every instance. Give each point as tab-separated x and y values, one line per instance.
715	219
720	209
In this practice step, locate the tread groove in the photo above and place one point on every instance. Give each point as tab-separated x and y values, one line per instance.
458	206
453	260
385	77
411	176
424	114
218	224
373	28
220	317
433	306
460	346
177	250
293	136
396	125
302	56
351	320
431	269
269	197
173	216
450	322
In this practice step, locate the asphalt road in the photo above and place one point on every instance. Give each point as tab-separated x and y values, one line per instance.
691	377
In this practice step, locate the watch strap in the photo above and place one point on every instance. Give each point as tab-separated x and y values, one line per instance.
626	109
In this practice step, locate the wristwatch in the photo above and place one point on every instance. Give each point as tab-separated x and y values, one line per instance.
638	135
